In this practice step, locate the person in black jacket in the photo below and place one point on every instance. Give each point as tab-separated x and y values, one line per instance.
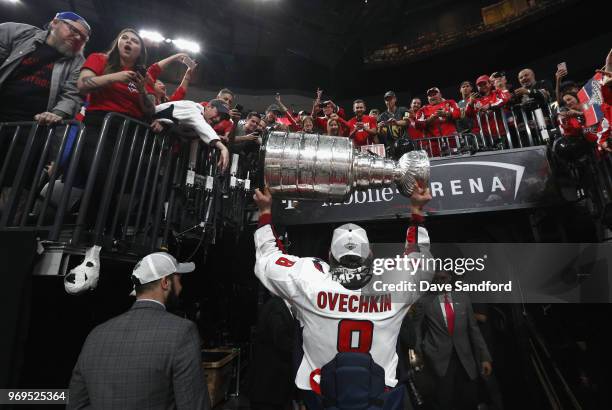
272	385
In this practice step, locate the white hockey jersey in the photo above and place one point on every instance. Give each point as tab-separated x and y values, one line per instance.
336	319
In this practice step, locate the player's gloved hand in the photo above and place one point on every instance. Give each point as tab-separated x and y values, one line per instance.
263	199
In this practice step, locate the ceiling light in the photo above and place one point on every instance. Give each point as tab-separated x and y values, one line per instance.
186	45
154	36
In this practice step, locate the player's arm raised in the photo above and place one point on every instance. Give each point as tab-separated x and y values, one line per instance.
417	237
275	269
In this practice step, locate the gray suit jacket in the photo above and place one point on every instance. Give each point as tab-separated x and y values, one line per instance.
18	40
437	344
145	358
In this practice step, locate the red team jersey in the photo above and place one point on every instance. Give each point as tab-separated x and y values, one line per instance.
496	98
597	133
415	132
335	319
440	126
117	97
362	137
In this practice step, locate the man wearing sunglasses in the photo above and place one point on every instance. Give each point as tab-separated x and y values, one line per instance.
39	68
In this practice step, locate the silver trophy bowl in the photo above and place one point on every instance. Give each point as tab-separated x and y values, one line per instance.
300	166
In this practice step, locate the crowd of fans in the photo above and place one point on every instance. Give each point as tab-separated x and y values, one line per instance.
44	77
121	81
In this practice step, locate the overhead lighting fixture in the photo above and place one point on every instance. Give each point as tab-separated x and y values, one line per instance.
186	45
154	36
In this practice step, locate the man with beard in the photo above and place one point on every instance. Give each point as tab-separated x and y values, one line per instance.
39	69
38	74
414	132
146	357
362	127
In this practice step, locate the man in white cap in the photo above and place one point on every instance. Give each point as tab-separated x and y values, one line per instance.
146	358
350	331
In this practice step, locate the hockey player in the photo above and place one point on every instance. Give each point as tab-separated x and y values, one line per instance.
345	326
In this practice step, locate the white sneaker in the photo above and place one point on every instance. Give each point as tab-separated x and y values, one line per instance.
85	276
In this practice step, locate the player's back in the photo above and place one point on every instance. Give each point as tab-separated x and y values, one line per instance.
337	319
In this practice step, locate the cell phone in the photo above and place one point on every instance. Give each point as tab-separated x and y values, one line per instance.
562	66
188	62
140	69
239	107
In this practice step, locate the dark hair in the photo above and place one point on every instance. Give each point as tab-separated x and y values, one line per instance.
113	64
359	101
253	114
568	84
562	102
226	91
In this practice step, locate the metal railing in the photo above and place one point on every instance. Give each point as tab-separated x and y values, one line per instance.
124	188
513	126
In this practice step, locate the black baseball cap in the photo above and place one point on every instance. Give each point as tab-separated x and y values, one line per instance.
220	105
498	74
274	108
389	94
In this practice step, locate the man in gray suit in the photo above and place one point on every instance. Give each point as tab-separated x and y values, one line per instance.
453	347
145	358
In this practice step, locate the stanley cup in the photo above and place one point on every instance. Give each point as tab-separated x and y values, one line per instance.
301	166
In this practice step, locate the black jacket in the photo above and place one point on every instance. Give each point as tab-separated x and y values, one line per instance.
271	378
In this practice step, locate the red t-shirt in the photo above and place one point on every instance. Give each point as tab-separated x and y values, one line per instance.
414	130
117	97
362	137
496	98
223	127
441	126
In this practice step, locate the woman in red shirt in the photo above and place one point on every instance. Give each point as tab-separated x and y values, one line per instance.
571	120
114	82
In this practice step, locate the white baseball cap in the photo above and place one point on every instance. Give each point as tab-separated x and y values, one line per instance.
350	239
156	266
